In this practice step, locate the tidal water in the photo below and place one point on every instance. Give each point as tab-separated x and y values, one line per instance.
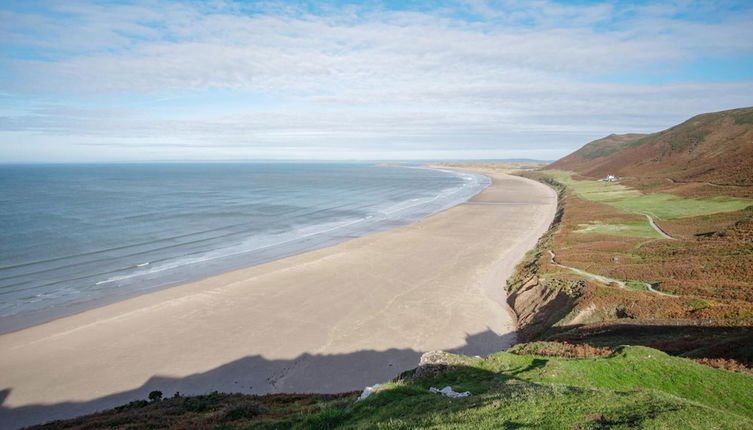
76	236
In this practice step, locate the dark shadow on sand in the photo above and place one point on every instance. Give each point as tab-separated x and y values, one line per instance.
255	374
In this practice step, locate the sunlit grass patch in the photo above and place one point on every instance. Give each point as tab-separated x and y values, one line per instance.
598	191
640	367
667	206
658	205
636	285
632	229
634	387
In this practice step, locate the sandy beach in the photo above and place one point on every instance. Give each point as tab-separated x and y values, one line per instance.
331	320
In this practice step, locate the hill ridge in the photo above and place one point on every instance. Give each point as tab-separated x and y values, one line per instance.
714	148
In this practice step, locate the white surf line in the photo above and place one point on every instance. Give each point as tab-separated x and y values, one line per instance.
657	228
604	279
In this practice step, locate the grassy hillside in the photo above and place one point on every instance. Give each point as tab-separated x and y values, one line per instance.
649	259
702	154
630	387
624	266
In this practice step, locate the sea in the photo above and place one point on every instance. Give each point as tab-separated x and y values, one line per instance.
77	236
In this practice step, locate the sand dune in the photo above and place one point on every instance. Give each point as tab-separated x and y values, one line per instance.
330	320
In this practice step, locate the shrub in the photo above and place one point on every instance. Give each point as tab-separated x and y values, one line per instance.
136	404
243	410
155	396
697	304
326	419
195	404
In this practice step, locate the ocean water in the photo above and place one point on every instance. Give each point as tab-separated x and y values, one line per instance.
77	236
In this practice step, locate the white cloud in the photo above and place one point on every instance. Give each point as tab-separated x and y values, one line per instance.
365	80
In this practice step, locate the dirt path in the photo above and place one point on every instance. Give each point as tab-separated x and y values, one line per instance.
657	228
604	279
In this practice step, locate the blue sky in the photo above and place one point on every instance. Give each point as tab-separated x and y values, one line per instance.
244	80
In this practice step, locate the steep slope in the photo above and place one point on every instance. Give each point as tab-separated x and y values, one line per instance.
715	148
592	154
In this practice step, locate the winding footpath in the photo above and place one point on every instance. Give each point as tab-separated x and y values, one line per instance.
657	228
604	279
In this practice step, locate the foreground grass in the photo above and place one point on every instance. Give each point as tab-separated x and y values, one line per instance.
635	387
658	205
525	405
641	368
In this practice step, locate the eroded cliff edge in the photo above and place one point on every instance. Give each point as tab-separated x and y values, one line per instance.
539	303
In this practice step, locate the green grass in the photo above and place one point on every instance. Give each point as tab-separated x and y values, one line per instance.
555	273
641	368
527	405
658	205
593	190
631	229
636	387
667	206
744	117
636	285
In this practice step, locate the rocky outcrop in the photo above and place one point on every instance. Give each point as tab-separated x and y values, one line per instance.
431	363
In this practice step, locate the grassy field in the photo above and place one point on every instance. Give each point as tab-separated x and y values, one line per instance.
593	190
668	206
634	387
629	228
658	205
641	368
636	285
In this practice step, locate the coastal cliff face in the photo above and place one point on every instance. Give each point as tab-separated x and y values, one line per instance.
540	303
539	306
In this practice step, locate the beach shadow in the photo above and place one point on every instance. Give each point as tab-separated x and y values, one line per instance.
307	373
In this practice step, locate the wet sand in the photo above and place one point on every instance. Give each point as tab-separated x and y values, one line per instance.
330	320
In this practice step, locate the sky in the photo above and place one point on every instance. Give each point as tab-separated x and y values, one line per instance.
144	80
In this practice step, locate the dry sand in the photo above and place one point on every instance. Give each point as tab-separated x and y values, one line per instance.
330	320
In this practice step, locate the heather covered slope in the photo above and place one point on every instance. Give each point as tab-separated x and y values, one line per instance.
714	149
663	257
592	154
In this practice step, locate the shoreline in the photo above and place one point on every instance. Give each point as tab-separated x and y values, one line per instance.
366	309
254	257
